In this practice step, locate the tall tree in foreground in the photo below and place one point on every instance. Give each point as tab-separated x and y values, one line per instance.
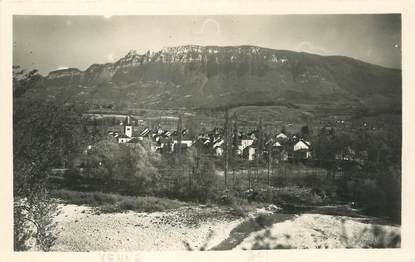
261	141
179	138
235	138
42	131
227	133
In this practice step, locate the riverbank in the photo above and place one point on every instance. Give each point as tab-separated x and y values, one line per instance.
215	228
186	228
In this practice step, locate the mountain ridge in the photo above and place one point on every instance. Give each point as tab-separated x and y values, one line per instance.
133	51
215	76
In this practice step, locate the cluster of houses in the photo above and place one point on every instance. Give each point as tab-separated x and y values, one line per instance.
244	145
159	139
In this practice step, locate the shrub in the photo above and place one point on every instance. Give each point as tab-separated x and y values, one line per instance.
238	211
22	231
192	181
377	193
291	195
34	218
264	195
227	197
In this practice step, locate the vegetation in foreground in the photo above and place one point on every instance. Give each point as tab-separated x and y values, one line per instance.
113	203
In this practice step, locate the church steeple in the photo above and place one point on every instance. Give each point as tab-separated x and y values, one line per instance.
128	129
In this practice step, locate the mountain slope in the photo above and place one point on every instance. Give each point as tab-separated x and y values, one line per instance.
211	76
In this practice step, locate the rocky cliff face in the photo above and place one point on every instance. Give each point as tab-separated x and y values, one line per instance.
212	76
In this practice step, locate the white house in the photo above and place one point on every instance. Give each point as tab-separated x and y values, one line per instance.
218	143
302	145
251	153
302	149
245	142
187	142
252	135
282	136
277	144
218	151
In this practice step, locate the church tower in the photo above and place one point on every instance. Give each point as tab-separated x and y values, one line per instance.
128	129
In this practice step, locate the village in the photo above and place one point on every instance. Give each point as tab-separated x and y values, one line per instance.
248	145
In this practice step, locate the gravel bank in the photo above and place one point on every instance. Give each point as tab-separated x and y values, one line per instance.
195	228
323	231
82	229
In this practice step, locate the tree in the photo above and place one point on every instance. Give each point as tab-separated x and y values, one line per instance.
305	131
194	125
101	164
23	81
133	167
332	132
144	169
227	135
45	134
261	140
179	137
207	181
113	121
236	139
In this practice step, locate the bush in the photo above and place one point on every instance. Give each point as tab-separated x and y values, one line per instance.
377	197
120	168
264	195
34	218
377	193
227	198
291	195
191	180
22	231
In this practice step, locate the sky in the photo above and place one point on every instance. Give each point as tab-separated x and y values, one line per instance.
49	43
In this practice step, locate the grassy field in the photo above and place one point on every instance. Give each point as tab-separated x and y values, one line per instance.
109	203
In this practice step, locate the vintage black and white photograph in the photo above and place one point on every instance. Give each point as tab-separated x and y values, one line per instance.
206	132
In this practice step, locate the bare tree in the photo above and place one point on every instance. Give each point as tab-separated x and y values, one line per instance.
226	144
